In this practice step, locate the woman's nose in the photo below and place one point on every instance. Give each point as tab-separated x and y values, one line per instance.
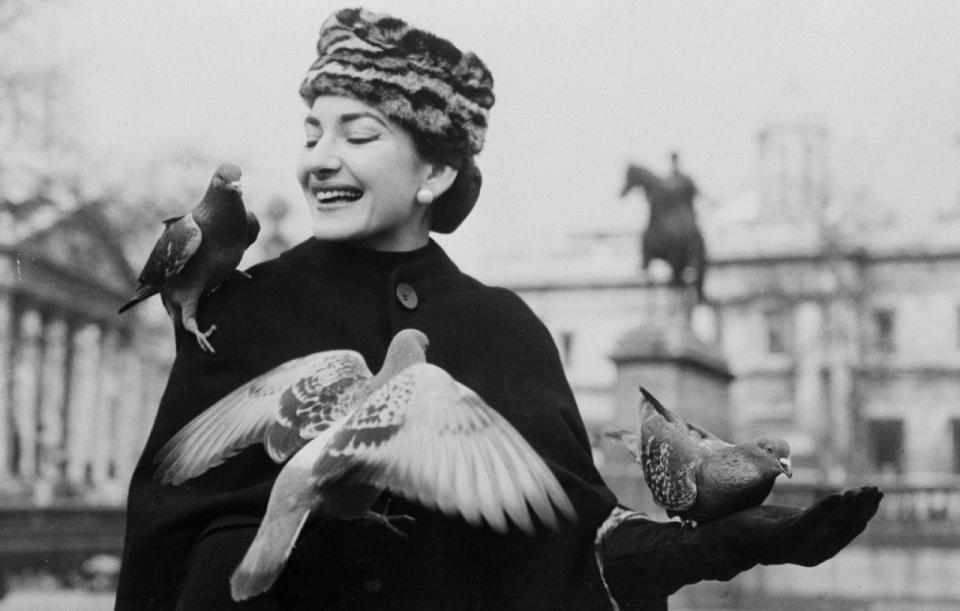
323	157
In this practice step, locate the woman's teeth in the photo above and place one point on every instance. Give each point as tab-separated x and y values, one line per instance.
329	197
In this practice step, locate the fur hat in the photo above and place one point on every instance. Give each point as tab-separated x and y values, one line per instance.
419	80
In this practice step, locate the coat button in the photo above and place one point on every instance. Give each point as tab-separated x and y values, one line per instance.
407	296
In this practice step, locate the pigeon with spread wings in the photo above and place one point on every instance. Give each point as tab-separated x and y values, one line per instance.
198	251
411	429
694	474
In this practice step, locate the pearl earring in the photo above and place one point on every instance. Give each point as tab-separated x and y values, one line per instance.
424	196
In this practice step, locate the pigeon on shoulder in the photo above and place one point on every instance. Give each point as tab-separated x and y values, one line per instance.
198	251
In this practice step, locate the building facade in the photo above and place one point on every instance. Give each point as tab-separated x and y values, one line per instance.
77	390
843	338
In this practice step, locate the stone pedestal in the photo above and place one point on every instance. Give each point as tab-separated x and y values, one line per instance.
687	375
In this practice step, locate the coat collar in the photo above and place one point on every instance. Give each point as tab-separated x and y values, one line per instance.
429	261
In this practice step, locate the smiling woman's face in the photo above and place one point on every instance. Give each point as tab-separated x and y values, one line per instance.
360	173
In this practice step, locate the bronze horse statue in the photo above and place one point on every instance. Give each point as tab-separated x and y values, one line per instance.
672	233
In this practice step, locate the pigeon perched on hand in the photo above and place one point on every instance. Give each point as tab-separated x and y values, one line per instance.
696	475
198	251
411	429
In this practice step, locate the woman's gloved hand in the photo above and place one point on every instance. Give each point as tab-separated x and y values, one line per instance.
774	534
644	560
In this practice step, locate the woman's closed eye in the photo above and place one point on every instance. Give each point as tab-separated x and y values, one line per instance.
362	138
312	133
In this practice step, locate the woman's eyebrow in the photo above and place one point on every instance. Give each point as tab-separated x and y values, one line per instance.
353	116
311	120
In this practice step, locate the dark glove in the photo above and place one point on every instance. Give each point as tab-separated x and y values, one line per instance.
772	534
644	560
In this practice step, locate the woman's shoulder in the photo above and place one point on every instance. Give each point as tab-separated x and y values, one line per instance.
493	298
266	287
501	309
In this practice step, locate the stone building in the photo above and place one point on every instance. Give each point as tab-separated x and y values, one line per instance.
844	340
847	340
77	392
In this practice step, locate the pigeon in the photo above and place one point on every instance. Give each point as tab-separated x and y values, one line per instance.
411	429
695	475
198	251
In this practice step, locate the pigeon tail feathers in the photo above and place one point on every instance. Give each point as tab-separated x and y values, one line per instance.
663	411
267	554
143	292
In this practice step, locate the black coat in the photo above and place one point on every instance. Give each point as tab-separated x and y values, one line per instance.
320	297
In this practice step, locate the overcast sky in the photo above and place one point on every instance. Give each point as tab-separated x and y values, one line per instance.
582	88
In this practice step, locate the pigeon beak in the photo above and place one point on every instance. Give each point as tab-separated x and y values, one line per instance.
235	186
786	467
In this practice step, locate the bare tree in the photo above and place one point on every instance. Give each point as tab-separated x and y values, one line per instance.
34	150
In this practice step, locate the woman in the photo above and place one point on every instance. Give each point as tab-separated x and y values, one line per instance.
396	117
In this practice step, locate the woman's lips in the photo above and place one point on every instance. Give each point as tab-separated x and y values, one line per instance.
336	194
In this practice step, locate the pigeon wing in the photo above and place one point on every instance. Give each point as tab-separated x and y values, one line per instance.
670	457
433	440
282	408
176	245
707	438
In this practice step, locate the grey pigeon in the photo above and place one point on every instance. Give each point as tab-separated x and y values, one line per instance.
198	251
410	429
696	475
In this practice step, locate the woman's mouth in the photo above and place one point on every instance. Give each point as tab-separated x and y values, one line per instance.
337	195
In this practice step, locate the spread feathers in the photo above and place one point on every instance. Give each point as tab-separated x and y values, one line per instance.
198	251
696	475
411	429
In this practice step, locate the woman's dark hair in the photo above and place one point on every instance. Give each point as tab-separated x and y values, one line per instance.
449	210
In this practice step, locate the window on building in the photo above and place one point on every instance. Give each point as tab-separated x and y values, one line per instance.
566	347
958	327
886	445
955	430
778	330
884	329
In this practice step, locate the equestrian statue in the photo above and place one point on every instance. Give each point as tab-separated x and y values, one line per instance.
672	234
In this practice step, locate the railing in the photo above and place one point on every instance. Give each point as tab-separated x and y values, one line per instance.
56	541
911	514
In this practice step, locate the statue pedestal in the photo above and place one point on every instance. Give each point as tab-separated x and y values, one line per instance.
687	375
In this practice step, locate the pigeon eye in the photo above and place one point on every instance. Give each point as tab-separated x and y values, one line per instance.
769	450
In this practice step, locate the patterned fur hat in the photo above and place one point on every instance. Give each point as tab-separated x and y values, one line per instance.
419	80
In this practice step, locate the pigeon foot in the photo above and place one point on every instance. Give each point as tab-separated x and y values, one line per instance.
202	336
387	519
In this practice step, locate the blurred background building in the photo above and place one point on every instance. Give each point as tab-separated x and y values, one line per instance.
820	325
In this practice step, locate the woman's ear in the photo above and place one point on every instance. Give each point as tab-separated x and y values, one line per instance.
439	178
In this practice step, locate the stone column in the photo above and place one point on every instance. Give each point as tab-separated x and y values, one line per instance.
129	412
105	428
82	406
54	376
840	361
811	414
26	393
6	383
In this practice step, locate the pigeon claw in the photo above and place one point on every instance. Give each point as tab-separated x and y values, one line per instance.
385	519
687	524
202	336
